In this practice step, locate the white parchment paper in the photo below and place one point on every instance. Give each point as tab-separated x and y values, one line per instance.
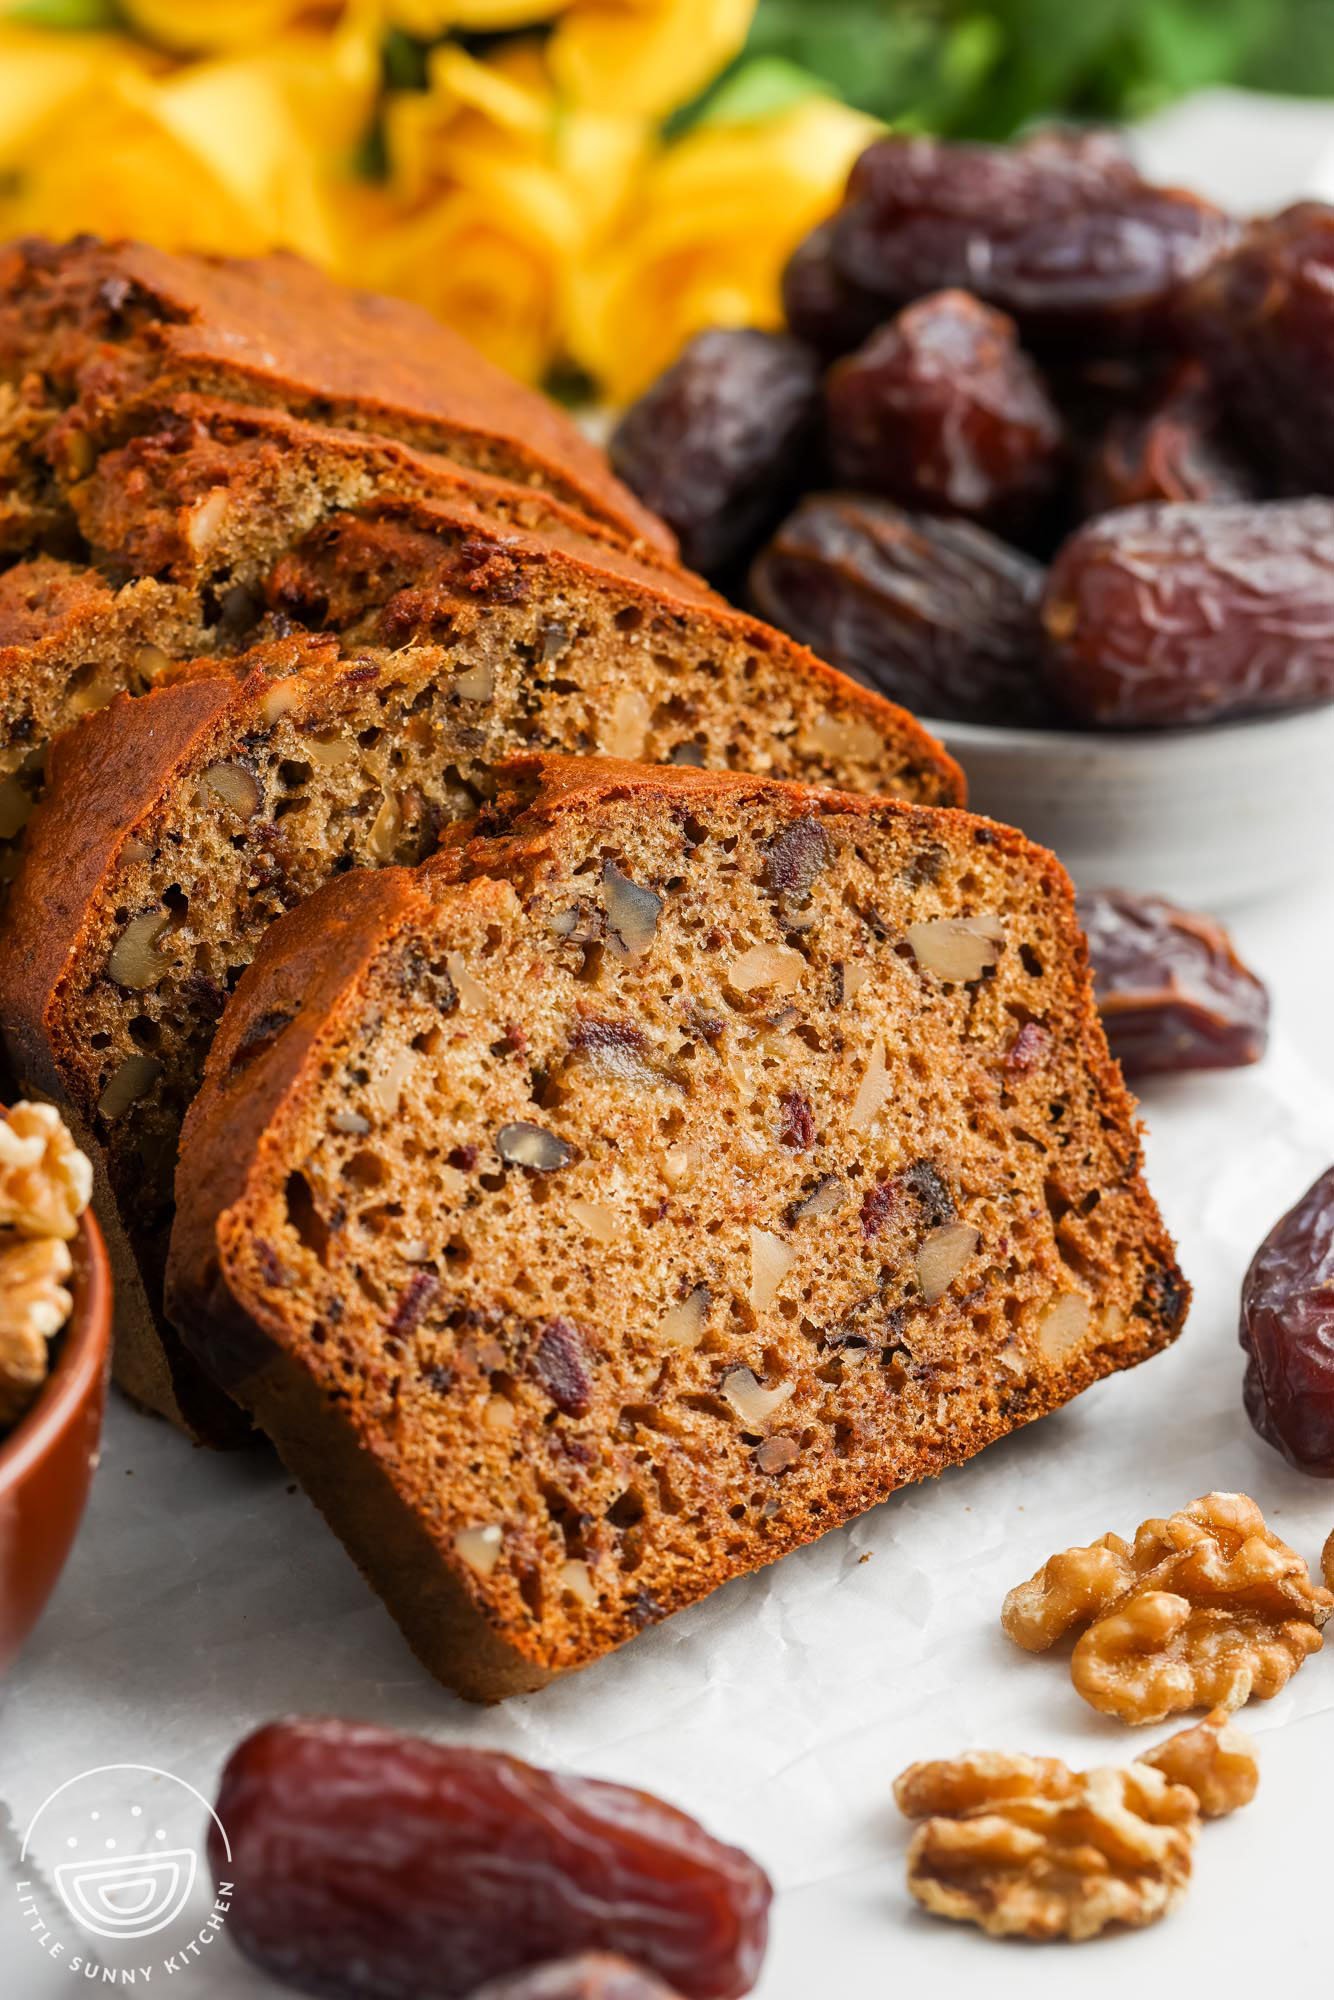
204	1596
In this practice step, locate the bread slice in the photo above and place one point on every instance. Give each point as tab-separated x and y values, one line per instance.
667	1173
106	325
518	576
177	826
211	493
195	510
68	641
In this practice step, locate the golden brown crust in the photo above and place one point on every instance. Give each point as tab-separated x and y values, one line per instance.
321	965
275	330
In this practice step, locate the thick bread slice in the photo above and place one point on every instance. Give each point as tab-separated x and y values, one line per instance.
620	1201
68	641
105	323
496	571
212	492
189	818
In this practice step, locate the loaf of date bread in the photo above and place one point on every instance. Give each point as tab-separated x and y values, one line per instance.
178	825
91	333
671	1169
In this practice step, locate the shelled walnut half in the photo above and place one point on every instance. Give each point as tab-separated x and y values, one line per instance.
1205	1609
45	1185
1025	1847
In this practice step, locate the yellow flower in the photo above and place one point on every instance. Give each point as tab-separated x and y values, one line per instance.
509	192
645	56
638	58
190	26
97	134
717	217
428	18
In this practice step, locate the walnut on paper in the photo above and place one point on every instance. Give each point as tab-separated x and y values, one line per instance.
1025	1847
1207	1608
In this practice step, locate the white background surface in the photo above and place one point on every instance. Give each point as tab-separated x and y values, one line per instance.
204	1596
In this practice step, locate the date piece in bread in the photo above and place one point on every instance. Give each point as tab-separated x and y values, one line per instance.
178	825
102	326
660	1177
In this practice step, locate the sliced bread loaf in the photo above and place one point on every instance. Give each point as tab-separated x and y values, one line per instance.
663	1175
100	327
177	826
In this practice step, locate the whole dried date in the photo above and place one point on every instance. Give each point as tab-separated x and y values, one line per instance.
1263	318
1287	1332
1178	449
1061	233
1156	616
717	446
1171	990
368	1863
941	409
935	613
820	306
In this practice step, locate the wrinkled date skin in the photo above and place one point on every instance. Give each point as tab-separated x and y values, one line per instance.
1263	318
1287	1331
1061	233
1156	616
941	409
819	304
1176	450
718	445
935	613
368	1863
1171	990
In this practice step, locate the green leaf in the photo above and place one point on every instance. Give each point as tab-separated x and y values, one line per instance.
69	14
758	89
403	61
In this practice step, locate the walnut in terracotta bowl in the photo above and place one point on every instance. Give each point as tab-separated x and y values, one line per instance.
55	1336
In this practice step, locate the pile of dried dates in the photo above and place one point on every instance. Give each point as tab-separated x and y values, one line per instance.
1042	444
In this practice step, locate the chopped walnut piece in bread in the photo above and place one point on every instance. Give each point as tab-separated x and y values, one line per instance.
1026	1847
1207	1608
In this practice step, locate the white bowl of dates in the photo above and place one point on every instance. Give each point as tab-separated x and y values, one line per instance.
1211	817
1041	455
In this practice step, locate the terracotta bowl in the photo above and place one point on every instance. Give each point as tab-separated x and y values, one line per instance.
47	1461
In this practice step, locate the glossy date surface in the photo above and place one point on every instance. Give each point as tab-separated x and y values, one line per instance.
942	409
936	614
1287	1332
1164	615
1171	990
369	1863
1263	319
1060	232
1176	449
718	443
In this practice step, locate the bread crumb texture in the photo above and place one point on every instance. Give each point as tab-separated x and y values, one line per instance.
653	1181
